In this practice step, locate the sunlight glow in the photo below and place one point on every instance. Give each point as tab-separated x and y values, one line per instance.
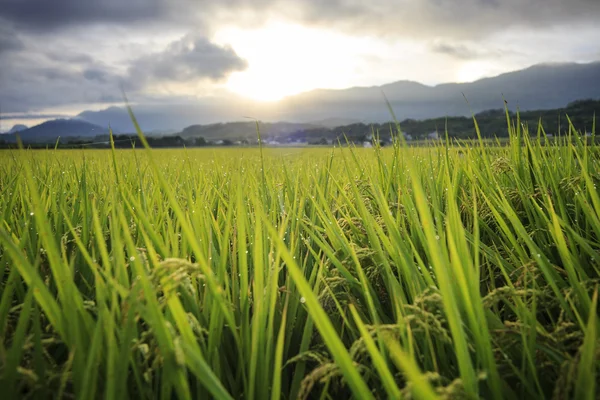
286	59
474	70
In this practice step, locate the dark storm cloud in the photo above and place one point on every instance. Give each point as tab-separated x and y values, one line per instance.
191	58
41	15
426	18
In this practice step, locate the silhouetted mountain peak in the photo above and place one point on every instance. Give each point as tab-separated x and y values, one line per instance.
18	128
49	131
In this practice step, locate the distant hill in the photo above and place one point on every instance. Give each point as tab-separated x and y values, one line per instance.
543	86
333	122
49	131
492	123
158	119
244	130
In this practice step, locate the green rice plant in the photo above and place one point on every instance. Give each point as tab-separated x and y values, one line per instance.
460	270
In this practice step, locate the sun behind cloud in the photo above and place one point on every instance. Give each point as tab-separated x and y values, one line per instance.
285	59
473	70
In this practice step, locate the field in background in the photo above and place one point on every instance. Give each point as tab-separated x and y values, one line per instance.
460	272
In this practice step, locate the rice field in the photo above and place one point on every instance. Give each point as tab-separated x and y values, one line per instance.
452	272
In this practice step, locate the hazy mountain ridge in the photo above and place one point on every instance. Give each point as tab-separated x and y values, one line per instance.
492	123
244	130
49	131
543	86
538	87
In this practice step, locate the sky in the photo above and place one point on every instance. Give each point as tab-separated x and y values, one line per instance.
60	57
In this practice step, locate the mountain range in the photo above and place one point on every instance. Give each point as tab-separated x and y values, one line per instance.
542	86
49	131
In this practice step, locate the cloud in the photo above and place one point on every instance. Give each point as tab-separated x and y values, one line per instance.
32	82
189	59
456	50
9	40
36	78
69	57
467	52
446	18
44	15
96	74
425	18
32	116
50	49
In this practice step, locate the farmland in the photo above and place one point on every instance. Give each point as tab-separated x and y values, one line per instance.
455	271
